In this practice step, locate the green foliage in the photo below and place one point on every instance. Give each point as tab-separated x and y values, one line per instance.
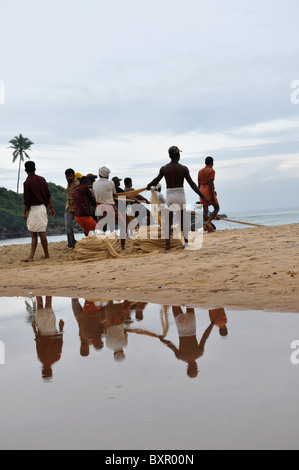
11	218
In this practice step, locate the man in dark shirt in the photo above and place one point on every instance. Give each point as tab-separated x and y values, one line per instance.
37	198
82	204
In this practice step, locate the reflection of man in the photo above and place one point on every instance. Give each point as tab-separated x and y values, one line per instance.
189	349
49	340
91	320
117	337
218	317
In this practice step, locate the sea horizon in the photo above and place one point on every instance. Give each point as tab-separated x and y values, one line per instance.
266	217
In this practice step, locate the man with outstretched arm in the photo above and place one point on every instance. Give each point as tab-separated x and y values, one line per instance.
175	174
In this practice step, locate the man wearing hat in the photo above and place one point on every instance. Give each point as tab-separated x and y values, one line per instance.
93	203
175	174
104	190
117	181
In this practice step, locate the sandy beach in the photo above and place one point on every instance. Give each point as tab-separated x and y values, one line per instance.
253	268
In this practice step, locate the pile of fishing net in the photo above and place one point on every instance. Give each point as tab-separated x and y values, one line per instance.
97	247
151	239
145	240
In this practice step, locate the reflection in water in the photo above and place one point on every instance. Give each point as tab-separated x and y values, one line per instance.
190	349
48	339
110	321
86	398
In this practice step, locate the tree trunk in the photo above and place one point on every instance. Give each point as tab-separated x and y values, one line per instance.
18	184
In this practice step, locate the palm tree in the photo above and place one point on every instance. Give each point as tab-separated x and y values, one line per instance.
20	144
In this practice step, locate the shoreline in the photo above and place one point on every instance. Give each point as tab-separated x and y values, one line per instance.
249	269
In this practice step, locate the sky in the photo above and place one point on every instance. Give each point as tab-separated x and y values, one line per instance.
116	83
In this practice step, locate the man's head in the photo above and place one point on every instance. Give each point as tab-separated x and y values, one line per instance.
116	181
30	167
209	161
91	177
128	182
104	172
84	181
174	153
69	175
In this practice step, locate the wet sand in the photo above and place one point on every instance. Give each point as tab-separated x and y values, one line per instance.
253	268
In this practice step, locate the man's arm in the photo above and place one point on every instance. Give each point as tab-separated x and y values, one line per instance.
156	180
51	208
195	187
212	190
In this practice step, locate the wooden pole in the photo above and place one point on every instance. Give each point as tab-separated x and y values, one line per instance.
244	223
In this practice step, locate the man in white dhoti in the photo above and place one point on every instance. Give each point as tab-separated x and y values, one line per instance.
175	174
37	198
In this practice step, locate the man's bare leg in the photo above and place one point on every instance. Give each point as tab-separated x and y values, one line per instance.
184	226
44	242
169	221
33	248
213	215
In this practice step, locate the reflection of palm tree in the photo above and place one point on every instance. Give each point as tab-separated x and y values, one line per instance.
31	309
20	144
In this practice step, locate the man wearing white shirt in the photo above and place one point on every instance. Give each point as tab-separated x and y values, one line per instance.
104	190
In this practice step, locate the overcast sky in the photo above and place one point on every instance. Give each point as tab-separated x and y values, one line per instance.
117	82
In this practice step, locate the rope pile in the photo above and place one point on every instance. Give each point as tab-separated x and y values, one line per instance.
97	247
147	240
151	239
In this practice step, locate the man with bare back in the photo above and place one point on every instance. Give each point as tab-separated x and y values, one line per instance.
175	173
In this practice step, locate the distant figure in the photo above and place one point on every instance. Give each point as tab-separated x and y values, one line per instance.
206	177
175	174
93	203
104	191
73	183
138	200
116	180
158	189
82	205
37	198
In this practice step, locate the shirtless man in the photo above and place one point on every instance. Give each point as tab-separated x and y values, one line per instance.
175	174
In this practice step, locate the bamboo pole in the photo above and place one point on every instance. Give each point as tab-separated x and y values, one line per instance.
244	223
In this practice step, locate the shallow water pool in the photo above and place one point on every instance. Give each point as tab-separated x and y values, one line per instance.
100	374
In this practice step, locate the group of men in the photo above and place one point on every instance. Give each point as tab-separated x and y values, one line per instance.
93	202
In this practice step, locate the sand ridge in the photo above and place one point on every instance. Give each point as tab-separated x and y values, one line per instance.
252	268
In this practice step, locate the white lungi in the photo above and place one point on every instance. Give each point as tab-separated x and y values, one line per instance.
37	219
175	199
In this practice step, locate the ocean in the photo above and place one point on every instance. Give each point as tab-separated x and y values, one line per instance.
260	217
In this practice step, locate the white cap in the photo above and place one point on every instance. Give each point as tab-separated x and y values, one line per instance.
104	171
